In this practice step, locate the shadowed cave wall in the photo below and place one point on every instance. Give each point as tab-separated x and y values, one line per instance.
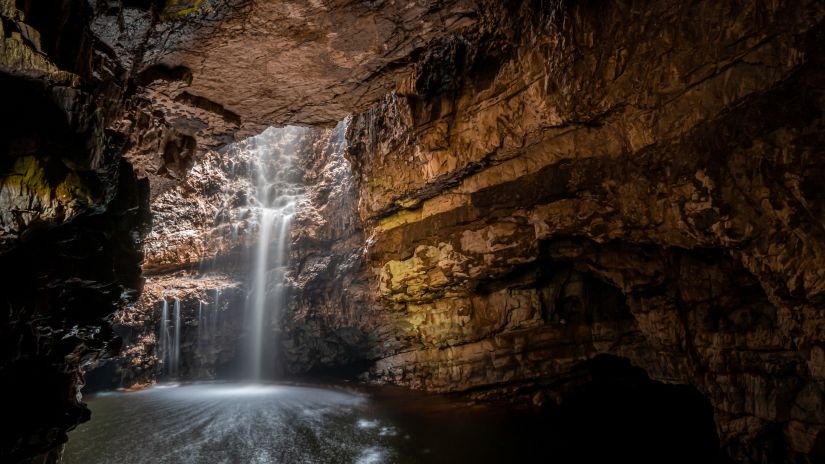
520	188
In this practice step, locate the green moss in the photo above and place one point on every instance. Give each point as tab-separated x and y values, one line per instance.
28	176
400	218
178	8
73	188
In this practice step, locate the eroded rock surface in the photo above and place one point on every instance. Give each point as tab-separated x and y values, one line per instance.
607	180
211	317
299	61
72	215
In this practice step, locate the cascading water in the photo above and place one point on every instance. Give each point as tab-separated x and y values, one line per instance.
163	339
174	366
277	193
213	320
168	347
201	328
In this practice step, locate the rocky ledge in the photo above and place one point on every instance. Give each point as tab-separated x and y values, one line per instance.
634	181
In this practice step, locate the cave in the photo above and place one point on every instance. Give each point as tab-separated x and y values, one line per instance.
400	232
617	406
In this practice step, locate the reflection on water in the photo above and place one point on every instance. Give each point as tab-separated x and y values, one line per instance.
610	419
273	423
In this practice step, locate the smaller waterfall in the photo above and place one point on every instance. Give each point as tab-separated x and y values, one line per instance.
175	364
207	326
202	330
163	339
200	323
168	347
213	321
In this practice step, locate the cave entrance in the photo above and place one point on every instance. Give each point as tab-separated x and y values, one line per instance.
618	413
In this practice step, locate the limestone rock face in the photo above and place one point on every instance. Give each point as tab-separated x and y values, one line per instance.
211	317
72	216
207	217
606	179
327	323
214	72
298	61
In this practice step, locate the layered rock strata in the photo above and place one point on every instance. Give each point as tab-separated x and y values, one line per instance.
640	182
100	96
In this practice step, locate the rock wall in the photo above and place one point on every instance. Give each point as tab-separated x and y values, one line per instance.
210	321
72	214
623	178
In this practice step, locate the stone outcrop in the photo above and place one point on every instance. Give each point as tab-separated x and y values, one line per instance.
72	214
211	319
297	61
608	180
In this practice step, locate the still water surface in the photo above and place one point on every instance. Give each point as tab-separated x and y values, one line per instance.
275	423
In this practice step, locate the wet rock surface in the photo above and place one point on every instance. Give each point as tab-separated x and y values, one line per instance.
310	62
612	183
211	318
72	216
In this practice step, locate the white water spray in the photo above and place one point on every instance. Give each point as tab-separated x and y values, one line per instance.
163	339
175	365
168	346
213	321
278	195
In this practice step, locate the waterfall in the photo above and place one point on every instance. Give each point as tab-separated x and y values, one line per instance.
168	351
201	327
213	321
207	328
175	364
163	339
259	294
278	194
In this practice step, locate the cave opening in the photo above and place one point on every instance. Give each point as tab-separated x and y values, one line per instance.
616	411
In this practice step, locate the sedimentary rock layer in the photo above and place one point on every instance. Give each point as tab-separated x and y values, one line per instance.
607	179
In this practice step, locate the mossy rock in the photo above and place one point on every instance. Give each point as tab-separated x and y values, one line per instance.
29	175
179	8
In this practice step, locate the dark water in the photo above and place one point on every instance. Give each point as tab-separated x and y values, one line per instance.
608	420
233	423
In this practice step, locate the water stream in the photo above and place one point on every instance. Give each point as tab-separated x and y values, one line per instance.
175	364
277	193
291	424
168	346
163	336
